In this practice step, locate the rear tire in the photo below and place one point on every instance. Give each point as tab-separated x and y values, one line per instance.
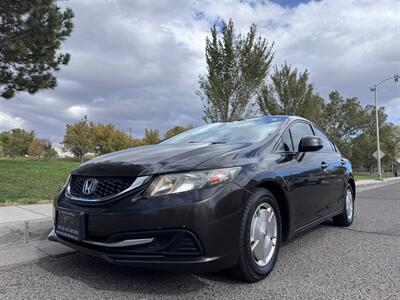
260	237
346	217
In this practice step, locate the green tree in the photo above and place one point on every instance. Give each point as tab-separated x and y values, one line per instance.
364	145
85	137
36	148
344	120
396	140
41	148
107	138
176	130
16	142
290	93
49	151
31	33
1	149
151	136
78	138
236	69
389	144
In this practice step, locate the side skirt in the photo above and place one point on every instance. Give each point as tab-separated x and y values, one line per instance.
316	222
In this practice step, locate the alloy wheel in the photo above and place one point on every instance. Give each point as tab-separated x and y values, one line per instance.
349	204
263	234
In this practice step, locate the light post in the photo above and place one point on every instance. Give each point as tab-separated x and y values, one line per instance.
396	78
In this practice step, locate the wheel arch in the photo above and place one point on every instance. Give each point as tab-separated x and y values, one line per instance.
353	186
280	196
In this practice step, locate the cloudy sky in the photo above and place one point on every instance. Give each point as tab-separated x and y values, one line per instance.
136	63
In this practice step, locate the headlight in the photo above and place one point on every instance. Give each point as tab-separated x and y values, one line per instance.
182	182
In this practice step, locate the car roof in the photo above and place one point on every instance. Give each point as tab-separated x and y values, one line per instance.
288	117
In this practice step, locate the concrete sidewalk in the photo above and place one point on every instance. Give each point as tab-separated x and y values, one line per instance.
25	223
24	213
23	234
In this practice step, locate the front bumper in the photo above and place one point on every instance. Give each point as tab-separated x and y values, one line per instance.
177	263
194	232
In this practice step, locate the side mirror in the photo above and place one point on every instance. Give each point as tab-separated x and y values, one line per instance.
310	143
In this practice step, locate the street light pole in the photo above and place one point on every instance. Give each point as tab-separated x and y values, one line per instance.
396	78
377	134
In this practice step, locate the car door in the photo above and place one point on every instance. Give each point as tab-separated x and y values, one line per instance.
302	173
333	173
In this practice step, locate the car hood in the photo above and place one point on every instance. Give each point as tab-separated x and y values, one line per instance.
154	159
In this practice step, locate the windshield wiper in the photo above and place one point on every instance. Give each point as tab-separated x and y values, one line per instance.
217	143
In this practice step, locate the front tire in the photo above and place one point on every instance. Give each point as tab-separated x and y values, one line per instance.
346	217
260	237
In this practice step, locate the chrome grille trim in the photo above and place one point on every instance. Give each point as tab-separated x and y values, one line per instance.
139	181
124	243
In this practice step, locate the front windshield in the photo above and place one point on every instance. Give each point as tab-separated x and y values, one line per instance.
248	131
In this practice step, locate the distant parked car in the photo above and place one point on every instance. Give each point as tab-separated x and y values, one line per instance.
223	195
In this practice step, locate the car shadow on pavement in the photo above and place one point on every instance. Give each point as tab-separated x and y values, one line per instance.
101	275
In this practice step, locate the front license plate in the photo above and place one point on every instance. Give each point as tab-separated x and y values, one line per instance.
70	224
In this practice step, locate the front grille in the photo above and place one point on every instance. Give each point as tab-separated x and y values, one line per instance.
106	186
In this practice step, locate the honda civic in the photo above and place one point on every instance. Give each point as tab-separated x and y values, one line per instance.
220	196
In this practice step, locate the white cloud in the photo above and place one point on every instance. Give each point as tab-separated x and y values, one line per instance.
139	66
76	111
8	122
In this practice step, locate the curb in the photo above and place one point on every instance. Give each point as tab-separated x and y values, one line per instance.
24	242
368	186
25	231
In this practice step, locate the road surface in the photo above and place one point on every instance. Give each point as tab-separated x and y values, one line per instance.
362	261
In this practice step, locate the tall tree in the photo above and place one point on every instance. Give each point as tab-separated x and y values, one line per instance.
396	140
344	120
236	68
365	144
16	142
78	138
290	93
31	33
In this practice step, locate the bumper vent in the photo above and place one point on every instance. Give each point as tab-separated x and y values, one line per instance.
184	244
167	243
105	186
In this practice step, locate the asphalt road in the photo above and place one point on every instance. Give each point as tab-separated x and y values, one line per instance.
359	262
